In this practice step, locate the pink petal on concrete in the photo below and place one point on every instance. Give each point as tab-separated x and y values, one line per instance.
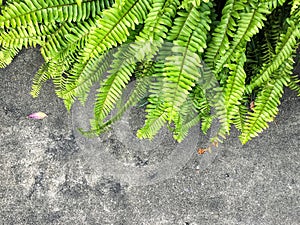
37	115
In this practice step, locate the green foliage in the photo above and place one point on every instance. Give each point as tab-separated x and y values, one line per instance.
194	61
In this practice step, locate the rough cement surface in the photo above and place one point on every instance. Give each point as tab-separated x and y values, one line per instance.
45	177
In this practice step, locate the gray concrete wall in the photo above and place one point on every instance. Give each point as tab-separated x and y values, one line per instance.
46	177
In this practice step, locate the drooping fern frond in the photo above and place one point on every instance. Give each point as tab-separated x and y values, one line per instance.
156	118
107	32
225	30
181	69
239	116
50	27
111	89
81	87
249	24
113	28
196	109
41	76
26	13
7	55
294	84
283	51
266	108
137	92
228	106
199	105
267	101
24	37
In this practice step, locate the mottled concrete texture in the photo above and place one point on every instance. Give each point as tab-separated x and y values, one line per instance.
48	177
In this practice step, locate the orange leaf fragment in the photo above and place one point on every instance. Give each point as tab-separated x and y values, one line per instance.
202	151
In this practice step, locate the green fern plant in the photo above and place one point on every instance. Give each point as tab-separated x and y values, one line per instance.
187	58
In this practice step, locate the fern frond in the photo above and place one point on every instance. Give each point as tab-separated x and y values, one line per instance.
111	90
81	86
112	87
233	92
182	68
7	55
196	109
138	92
240	115
180	71
273	4
276	25
184	123
187	4
219	43
57	70
155	30
72	41
112	29
265	109
206	97
66	54
248	25
261	48
295	6
158	21
283	51
156	118
28	12
56	41
137	51
267	51
53	70
26	36
39	79
267	101
294	84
